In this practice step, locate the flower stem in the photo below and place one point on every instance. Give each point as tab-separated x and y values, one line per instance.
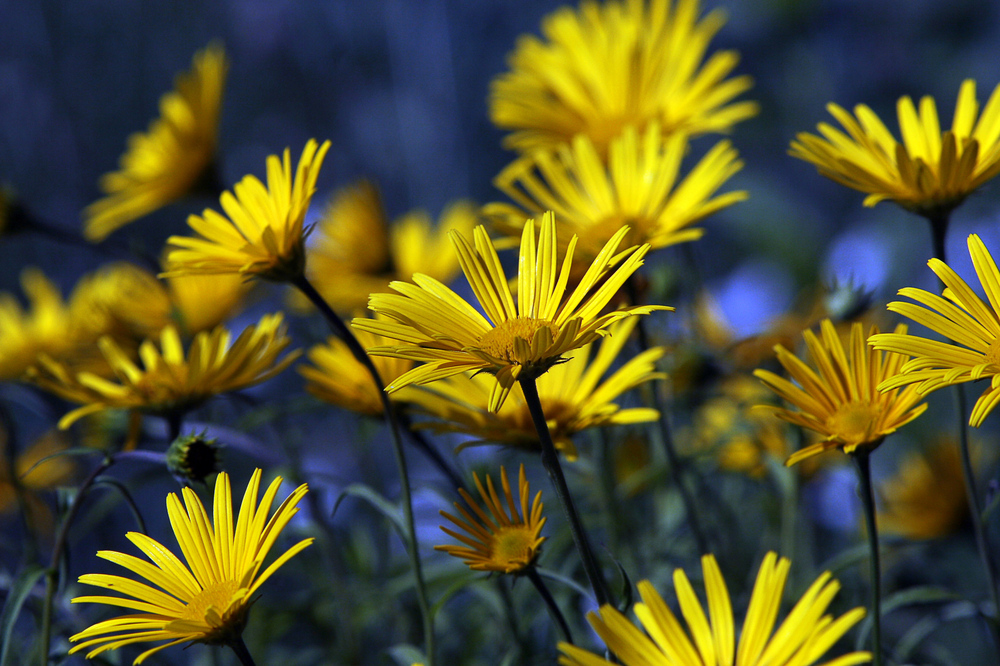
52	574
861	460
420	441
240	648
341	330
550	603
550	460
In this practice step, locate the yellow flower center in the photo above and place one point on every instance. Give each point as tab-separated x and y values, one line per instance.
513	547
855	423
499	342
992	355
215	596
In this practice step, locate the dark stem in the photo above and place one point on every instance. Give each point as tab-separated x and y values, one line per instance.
861	460
341	330
550	460
240	648
550	603
52	574
939	230
511	615
428	449
24	508
175	419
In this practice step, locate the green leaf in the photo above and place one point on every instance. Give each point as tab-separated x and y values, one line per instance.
380	503
16	597
908	597
405	654
568	582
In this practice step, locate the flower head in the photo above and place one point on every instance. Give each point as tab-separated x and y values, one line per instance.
618	63
264	235
202	302
355	252
122	300
840	399
806	634
168	379
208	600
498	541
637	186
930	172
572	396
45	327
168	160
961	316
528	337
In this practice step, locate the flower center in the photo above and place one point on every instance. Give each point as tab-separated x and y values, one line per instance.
513	546
499	342
215	596
855	423
992	356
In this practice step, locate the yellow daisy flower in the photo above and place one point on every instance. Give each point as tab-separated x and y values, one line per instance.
609	65
122	300
840	399
46	326
572	396
961	316
202	302
170	381
637	186
929	172
355	252
498	541
804	637
525	338
208	600
264	235
171	158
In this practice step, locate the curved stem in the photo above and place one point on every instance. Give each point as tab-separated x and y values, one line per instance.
52	574
240	648
550	603
341	330
861	460
550	460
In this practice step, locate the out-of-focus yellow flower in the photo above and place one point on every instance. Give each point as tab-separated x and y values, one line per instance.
209	599
263	236
930	172
613	64
437	326
355	252
31	475
962	317
926	498
637	187
572	395
170	381
840	399
45	327
804	637
202	302
172	157
497	541
122	300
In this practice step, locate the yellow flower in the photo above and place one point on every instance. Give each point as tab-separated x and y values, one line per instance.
169	381
571	398
31	475
961	316
614	64
926	498
45	327
355	252
804	637
525	339
929	173
498	541
122	300
264	235
208	600
202	302
637	187
172	156
338	378
840	399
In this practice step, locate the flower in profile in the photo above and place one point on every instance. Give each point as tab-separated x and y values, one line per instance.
926	498
840	399
168	381
208	600
355	252
518	340
959	315
122	300
498	540
930	172
637	187
609	65
45	327
572	395
264	235
804	637
172	157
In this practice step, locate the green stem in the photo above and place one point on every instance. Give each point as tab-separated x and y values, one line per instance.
861	460
550	603
52	574
341	330
240	648
550	460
